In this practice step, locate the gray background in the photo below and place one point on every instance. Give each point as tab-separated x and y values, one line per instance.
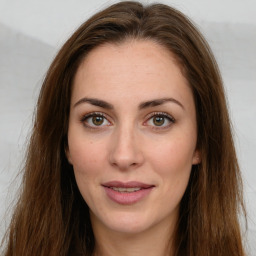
31	32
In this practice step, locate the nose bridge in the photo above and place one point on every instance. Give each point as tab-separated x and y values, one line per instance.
125	148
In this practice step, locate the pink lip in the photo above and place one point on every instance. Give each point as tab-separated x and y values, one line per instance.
126	198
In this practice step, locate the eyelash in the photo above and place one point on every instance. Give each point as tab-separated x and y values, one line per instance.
163	115
85	118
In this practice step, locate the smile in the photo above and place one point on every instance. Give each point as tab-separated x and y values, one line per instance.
126	190
127	193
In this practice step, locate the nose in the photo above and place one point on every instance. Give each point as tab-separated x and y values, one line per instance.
126	149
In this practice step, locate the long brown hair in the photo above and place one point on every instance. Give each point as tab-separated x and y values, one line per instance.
51	217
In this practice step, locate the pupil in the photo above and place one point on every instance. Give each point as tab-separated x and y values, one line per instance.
158	120
97	120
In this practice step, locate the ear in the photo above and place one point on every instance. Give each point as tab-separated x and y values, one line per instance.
196	157
68	156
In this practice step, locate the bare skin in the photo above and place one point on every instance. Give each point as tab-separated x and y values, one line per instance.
132	119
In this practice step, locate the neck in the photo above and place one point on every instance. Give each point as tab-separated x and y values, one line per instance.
157	241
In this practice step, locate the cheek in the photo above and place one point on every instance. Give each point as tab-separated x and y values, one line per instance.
87	158
175	154
87	165
84	153
173	163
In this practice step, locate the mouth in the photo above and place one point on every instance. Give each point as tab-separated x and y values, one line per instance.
126	190
127	193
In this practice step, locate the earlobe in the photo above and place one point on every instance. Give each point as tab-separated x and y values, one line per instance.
67	153
196	158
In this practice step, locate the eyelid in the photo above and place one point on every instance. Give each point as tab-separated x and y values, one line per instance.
94	113
160	113
164	114
148	117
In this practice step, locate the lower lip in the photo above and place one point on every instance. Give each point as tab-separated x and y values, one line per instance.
127	198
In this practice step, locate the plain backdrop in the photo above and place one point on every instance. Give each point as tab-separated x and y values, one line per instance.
31	32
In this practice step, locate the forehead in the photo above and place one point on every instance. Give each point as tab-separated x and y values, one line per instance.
130	53
130	69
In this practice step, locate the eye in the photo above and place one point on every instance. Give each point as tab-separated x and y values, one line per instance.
159	120
94	120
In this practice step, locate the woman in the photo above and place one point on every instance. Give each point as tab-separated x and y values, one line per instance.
131	151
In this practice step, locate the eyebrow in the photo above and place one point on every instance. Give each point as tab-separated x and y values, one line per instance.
157	102
95	102
143	105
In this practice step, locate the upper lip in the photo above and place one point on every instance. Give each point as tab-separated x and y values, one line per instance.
130	184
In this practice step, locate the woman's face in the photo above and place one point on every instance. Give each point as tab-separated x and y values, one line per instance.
132	136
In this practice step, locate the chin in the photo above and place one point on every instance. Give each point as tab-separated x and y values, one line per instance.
129	227
129	223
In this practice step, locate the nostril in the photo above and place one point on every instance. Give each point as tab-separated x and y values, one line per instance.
124	165
125	152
